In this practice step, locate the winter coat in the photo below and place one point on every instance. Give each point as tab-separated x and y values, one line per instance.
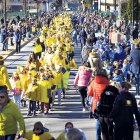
45	136
135	56
66	76
85	52
9	117
96	88
23	79
58	61
62	136
106	102
4	79
44	87
95	62
119	56
124	108
83	76
58	76
135	33
33	92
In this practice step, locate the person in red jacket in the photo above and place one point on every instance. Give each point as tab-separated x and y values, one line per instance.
96	88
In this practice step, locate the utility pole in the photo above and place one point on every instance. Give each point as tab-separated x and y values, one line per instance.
5	15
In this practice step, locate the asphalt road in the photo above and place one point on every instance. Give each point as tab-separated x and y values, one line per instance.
70	110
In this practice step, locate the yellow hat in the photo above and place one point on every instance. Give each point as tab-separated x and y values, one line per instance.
1	58
135	41
34	73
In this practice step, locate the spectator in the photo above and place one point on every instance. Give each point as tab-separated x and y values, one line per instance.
11	33
95	61
95	90
135	66
82	80
82	37
74	134
10	117
68	126
86	50
4	39
103	110
18	37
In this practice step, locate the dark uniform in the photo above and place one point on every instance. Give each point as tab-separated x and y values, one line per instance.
125	107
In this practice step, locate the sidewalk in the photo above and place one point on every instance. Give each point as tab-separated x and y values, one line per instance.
12	49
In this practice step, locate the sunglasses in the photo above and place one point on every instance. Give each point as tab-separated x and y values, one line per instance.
2	97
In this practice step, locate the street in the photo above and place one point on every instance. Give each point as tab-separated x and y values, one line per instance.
71	108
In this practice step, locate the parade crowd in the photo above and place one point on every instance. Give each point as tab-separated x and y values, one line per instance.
110	66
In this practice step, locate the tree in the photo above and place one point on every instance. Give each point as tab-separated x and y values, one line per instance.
129	10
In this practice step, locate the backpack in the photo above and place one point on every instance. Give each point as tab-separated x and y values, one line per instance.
106	102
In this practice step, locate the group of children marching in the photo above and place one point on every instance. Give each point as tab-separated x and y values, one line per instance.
47	70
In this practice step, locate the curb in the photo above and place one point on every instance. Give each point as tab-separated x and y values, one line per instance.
14	50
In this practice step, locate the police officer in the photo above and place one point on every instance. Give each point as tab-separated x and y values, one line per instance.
124	108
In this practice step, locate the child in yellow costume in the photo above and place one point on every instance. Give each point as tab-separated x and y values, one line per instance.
59	59
4	78
45	88
34	29
23	76
27	83
49	56
33	94
38	133
66	76
37	48
58	77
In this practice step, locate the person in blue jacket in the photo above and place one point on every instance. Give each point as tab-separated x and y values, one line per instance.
120	54
18	37
4	39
